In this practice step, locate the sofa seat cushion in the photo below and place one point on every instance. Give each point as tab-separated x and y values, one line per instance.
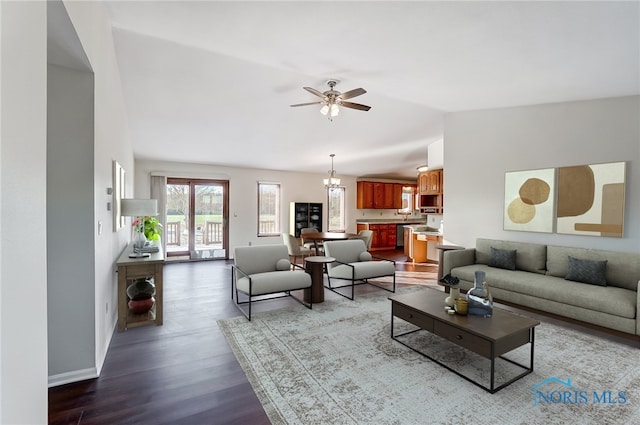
264	283
363	270
612	300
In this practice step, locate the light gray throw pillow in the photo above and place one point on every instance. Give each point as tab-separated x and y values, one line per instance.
283	264
365	256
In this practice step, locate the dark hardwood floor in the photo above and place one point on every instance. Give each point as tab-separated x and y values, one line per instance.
184	371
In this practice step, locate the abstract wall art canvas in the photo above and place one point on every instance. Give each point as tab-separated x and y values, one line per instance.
591	199
529	200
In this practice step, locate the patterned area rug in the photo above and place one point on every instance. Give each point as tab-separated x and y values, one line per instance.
336	364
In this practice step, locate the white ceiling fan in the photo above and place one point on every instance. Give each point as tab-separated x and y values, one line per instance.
332	100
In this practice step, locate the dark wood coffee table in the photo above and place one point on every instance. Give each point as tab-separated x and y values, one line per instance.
489	337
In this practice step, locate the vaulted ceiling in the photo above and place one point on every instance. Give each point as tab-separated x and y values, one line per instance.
211	82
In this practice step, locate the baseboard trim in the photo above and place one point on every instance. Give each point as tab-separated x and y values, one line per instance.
74	376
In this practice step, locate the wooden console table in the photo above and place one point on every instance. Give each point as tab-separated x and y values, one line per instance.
129	270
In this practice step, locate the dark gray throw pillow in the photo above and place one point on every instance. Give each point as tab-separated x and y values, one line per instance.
587	271
503	258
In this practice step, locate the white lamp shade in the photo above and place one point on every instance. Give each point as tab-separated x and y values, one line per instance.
138	207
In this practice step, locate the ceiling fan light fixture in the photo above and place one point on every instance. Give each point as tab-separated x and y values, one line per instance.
331	109
332	100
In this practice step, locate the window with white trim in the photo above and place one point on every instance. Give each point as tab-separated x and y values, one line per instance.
268	209
336	214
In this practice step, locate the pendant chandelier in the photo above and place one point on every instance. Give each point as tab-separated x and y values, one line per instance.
332	182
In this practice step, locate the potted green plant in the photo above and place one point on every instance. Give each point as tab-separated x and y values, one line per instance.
150	226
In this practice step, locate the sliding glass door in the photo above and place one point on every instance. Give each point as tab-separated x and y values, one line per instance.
197	216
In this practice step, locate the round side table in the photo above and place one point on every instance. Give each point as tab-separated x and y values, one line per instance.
315	267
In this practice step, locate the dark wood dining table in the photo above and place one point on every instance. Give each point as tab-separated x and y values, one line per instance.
326	236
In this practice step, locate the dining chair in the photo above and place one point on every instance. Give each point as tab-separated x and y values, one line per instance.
310	244
366	236
295	250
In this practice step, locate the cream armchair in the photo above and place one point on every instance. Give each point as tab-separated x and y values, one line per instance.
355	264
264	270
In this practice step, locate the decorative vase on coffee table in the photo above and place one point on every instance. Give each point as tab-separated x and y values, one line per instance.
453	294
479	297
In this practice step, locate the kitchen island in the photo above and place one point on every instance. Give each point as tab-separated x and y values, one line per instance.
420	243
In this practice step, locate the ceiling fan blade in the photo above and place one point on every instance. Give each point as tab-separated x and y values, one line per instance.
353	93
306	104
314	91
355	106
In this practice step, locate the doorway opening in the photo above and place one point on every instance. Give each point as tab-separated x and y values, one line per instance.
197	214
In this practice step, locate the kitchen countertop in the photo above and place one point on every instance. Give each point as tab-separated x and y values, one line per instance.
390	221
428	233
423	229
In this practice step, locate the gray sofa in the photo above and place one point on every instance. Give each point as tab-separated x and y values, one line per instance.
538	280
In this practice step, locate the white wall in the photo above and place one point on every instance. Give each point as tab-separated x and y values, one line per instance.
111	142
480	146
435	155
23	231
23	261
243	199
70	237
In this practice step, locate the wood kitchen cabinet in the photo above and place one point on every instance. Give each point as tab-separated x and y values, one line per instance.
430	182
397	195
378	195
408	243
430	190
364	198
384	235
424	248
423	183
